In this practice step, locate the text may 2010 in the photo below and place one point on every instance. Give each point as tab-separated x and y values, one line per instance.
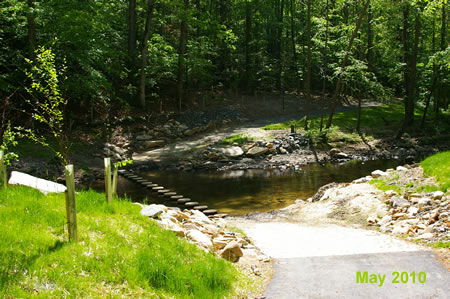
397	277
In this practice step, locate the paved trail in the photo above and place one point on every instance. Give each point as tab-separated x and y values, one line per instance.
322	262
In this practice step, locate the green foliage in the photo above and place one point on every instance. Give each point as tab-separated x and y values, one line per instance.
120	252
9	139
48	103
119	164
438	166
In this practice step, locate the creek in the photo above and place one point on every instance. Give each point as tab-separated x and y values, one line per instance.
239	192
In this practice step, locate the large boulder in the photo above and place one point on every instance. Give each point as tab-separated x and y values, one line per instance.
233	152
20	178
153	210
256	151
199	238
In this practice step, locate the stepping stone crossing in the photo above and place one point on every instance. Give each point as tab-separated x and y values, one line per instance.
170	195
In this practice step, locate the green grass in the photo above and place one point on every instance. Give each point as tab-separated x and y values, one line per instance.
383	185
438	166
376	122
238	138
119	254
370	117
441	244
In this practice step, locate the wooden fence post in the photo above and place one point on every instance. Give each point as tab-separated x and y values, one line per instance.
114	181
3	178
71	207
108	180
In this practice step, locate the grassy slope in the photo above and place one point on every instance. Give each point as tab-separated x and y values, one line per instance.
120	253
376	122
438	166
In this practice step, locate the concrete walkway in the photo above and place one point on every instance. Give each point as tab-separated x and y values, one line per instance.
323	262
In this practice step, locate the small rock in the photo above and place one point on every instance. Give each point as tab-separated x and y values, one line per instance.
401	168
385	220
400	203
378	173
400	229
390	193
437	195
334	151
371	220
219	243
399	216
232	252
413	211
443	215
425	236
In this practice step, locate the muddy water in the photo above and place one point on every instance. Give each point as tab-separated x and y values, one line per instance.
243	191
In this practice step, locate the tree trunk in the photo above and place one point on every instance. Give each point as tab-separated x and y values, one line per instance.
344	64
427	104
248	31
278	45
443	26
369	38
358	120
443	46
131	33
31	30
144	52
325	65
308	61
433	76
181	59
409	104
405	39
293	34
131	47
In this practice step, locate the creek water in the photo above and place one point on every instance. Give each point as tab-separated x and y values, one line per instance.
239	192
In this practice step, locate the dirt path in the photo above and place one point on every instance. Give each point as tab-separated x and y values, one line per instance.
187	148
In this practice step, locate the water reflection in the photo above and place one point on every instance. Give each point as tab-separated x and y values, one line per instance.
240	192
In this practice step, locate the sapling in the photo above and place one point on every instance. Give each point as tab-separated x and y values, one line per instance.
48	105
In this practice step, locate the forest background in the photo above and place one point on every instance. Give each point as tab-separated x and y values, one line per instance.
171	55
